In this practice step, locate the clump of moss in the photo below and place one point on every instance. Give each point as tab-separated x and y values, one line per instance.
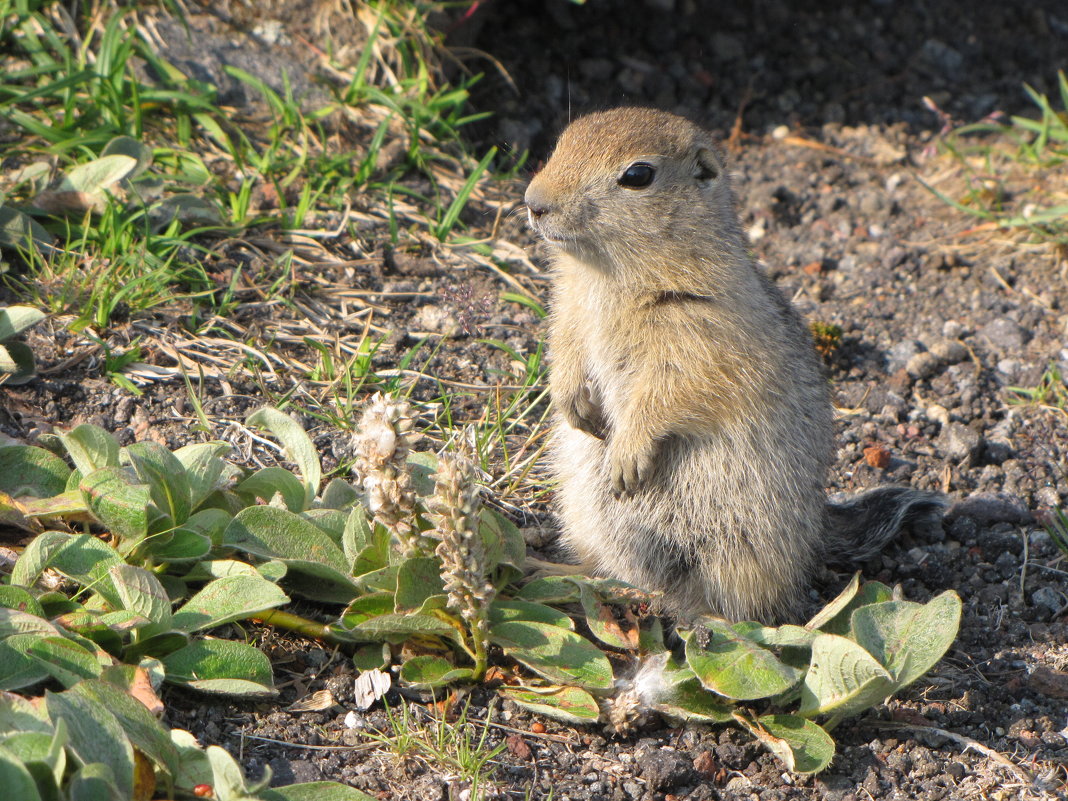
827	337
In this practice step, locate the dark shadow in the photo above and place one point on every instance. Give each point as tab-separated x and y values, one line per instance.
772	62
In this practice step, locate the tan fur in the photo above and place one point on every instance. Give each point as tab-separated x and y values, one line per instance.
668	341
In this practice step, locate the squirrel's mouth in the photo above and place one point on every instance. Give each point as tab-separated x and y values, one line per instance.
550	233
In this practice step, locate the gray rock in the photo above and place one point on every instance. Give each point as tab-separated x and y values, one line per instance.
1048	496
1049	598
596	69
940	58
898	355
923	365
951	329
959	443
1010	368
949	350
1004	335
663	769
1039	538
727	47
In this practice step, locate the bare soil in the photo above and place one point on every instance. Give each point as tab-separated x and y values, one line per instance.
821	104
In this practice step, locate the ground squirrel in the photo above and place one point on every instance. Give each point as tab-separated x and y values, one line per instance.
693	425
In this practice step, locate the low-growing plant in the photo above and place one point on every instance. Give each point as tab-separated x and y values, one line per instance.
98	741
17	365
1034	143
448	745
160	547
1051	391
827	337
1056	525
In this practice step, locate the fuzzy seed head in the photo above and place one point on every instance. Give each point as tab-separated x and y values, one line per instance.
454	510
382	443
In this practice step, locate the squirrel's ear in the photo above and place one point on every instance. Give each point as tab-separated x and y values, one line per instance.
707	166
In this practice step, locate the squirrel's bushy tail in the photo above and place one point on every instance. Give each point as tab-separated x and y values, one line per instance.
862	527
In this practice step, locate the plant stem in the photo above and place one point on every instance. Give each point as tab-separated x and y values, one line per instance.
301	625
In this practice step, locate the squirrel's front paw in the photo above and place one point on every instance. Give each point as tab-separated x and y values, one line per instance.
584	412
631	467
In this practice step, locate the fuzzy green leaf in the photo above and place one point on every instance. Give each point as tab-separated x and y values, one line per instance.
391	625
209	523
95	736
17	363
133	148
832	609
80	557
502	610
119	503
571	705
689	701
299	447
96	175
157	645
357	535
319	582
66	504
843	679
330	521
269	532
20	598
365	607
908	638
64	659
502	540
270	480
602	621
221	666
17	670
550	590
181	545
165	476
142	593
339	494
15	778
16	319
803	746
781	636
94	782
18	230
557	653
19	714
137	722
227	599
315	791
735	666
870	592
203	468
427	671
417	580
91	448
27	470
317	567
423	466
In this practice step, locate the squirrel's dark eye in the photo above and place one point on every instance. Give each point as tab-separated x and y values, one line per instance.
637	176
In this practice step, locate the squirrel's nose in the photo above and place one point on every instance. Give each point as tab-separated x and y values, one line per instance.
537	204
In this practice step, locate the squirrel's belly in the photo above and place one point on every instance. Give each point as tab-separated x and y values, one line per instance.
721	526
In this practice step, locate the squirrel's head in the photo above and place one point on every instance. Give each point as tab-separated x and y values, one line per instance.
628	183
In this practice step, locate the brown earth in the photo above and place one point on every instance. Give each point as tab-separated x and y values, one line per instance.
941	315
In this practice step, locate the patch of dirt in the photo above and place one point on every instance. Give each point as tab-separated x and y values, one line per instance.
939	320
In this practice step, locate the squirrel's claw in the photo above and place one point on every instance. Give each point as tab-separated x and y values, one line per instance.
586	413
631	470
